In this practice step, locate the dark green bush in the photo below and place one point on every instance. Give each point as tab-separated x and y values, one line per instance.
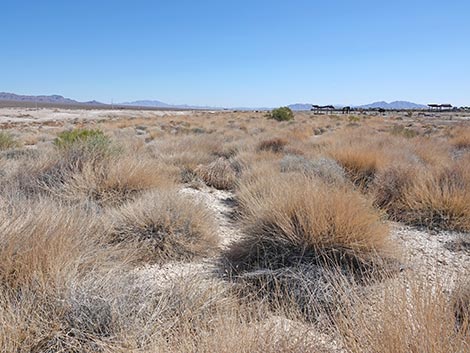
281	114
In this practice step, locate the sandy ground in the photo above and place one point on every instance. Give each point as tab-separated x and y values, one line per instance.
47	115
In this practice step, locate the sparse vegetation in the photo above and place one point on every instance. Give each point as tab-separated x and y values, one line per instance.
230	232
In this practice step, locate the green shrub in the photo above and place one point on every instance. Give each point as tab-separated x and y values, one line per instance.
7	141
281	114
400	130
89	137
354	119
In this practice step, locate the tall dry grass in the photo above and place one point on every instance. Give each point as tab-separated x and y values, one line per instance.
436	198
408	316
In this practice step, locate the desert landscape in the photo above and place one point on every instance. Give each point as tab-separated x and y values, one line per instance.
142	230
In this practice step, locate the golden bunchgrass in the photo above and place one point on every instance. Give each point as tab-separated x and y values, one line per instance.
287	218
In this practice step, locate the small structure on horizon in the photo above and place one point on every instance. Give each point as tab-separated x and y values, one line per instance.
439	107
322	108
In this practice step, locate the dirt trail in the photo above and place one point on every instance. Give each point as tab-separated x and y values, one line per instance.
221	202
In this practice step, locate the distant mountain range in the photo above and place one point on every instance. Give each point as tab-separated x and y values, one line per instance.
52	99
57	99
397	105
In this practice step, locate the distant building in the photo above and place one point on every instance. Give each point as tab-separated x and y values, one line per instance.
439	107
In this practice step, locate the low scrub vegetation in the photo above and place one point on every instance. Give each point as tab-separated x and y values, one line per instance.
230	232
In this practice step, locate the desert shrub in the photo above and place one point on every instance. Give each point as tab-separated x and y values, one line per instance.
281	114
324	168
275	145
7	141
354	119
400	130
219	174
92	138
164	226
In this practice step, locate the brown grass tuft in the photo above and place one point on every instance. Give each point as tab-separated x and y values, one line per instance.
409	316
293	220
219	174
164	226
41	243
461	138
360	162
275	145
437	198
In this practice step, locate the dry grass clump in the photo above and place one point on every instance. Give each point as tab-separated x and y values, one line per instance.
434	198
275	145
461	138
220	174
292	220
432	152
324	168
41	243
164	226
461	303
117	180
389	186
76	175
360	162
187	152
409	316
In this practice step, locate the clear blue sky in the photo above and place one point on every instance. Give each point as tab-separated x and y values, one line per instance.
238	53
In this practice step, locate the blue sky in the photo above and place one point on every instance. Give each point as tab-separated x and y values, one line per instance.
238	53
